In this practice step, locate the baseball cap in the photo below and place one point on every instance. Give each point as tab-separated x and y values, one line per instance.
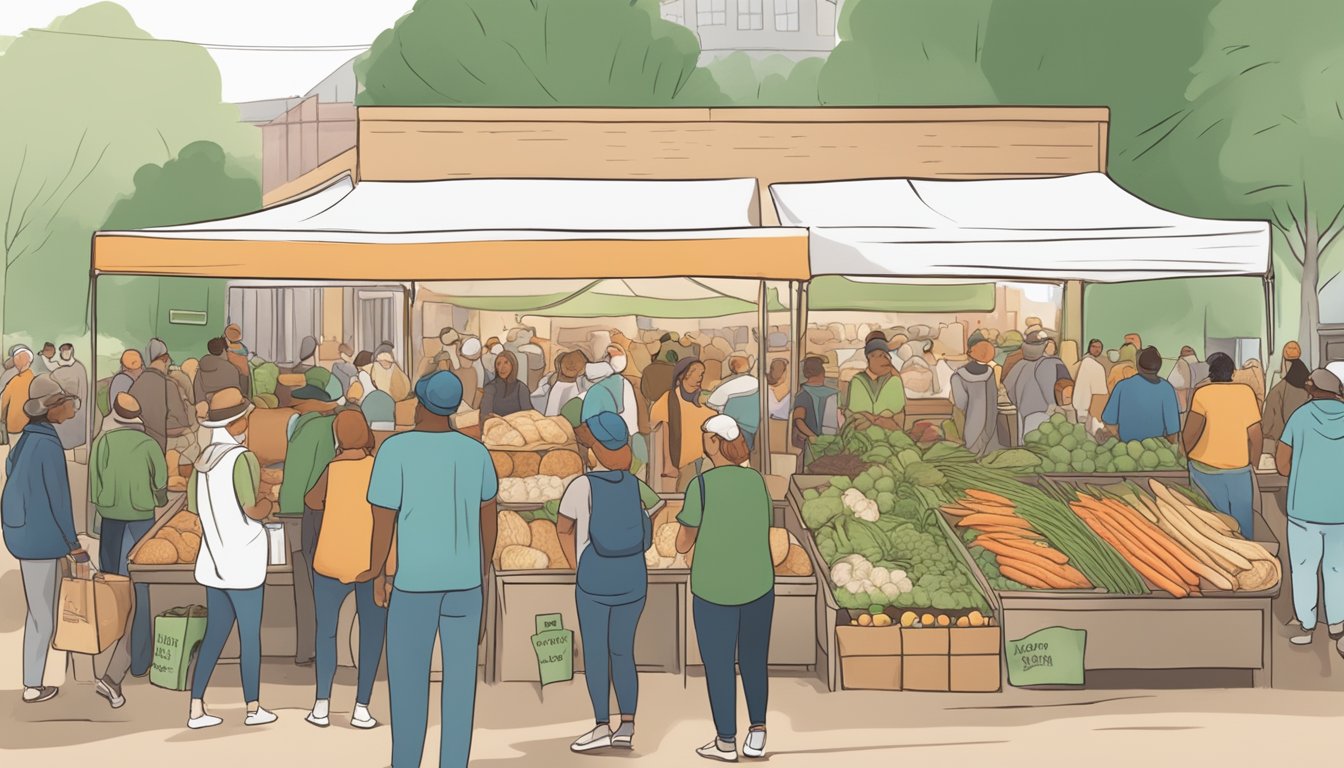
723	426
1325	380
1336	368
609	429
440	393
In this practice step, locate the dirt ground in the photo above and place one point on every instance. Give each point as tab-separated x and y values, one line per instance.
520	724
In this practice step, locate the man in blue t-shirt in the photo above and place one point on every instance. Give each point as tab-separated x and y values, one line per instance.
1145	405
438	487
1310	455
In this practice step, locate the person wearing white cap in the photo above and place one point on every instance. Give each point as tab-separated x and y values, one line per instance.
231	564
739	396
388	377
1310	455
470	371
16	392
726	518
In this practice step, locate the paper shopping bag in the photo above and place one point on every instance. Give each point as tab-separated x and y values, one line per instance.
94	613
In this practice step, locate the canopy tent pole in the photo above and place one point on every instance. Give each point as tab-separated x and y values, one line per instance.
795	377
95	418
763	387
799	348
408	356
1269	312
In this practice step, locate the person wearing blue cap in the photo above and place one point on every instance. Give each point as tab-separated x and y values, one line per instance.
436	489
604	515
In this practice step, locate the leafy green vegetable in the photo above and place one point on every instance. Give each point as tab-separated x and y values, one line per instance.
820	511
923	474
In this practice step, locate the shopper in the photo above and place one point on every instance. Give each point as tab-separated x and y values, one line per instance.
15	394
505	395
814	408
1284	398
876	394
681	411
1311	455
240	356
609	390
310	448
1144	406
1034	383
612	580
132	365
1089	383
161	405
215	372
1222	438
976	399
341	565
128	481
231	564
739	396
344	370
726	518
1292	351
39	522
1186	376
389	377
439	488
73	378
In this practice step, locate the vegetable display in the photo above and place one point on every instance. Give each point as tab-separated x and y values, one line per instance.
1068	448
1021	555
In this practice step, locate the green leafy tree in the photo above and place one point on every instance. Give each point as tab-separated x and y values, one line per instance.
1263	133
773	81
83	109
535	53
201	183
908	52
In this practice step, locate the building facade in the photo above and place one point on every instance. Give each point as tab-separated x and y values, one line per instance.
793	28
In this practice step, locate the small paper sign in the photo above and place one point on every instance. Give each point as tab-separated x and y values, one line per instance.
554	646
1051	656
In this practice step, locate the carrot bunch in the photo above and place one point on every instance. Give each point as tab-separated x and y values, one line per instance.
1023	554
1164	563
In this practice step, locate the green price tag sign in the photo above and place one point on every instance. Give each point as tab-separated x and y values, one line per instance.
549	621
1052	656
555	655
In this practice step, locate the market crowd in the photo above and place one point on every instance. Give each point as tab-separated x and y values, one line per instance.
380	494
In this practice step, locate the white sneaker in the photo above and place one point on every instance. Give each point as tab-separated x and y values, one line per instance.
204	721
39	694
1301	639
598	738
111	693
754	746
1337	631
261	717
624	737
313	719
714	751
362	719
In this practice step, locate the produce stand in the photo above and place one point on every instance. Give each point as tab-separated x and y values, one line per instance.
1184	637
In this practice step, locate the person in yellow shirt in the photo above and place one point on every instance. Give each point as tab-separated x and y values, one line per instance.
16	393
681	410
1222	436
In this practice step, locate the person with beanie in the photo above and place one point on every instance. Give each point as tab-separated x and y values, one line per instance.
1145	405
1310	455
1284	398
1223	438
1034	384
975	397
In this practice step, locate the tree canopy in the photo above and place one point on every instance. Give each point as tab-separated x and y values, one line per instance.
535	53
772	81
82	114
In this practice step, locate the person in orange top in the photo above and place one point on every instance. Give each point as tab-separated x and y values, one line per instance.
16	393
1222	436
680	409
341	564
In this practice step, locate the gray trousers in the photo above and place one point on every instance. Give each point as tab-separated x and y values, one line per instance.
41	590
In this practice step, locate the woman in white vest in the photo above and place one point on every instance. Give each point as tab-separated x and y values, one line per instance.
233	555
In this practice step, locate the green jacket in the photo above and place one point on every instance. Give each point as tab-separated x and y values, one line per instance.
128	477
311	449
884	396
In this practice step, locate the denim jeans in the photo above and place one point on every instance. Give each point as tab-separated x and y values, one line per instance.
741	633
608	636
118	537
1230	492
413	618
329	595
222	607
1314	547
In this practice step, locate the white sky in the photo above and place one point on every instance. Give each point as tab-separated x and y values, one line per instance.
246	75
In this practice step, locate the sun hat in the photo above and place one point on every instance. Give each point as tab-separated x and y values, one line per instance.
44	394
1322	378
126	409
723	426
225	407
609	429
440	393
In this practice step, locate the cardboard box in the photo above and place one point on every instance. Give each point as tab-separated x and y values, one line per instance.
925	673
926	641
869	641
975	674
975	641
870	673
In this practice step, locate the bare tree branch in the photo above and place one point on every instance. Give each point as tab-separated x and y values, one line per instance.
56	212
1332	230
23	159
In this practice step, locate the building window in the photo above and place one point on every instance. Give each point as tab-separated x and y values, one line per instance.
826	18
786	15
711	13
751	14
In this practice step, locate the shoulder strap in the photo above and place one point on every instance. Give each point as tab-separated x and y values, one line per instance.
700	480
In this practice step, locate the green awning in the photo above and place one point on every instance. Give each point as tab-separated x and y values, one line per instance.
833	292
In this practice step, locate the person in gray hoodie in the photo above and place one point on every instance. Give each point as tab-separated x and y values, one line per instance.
1031	384
975	395
1310	455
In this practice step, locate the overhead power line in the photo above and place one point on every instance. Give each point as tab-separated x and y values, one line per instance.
211	46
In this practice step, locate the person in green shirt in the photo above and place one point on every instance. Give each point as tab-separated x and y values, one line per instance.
876	394
128	480
312	446
726	518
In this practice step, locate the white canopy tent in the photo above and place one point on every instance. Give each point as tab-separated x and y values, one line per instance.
1069	228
